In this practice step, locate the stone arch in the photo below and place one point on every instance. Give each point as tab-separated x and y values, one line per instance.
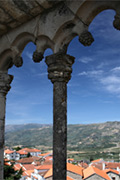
13	55
22	40
6	60
79	25
42	43
63	36
94	8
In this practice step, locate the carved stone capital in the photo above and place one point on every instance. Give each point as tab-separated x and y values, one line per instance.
37	56
86	38
59	67
116	22
5	80
18	61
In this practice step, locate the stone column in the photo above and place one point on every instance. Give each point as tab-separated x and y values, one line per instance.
5	81
59	72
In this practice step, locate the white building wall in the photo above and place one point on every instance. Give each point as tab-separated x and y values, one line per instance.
94	177
74	176
112	175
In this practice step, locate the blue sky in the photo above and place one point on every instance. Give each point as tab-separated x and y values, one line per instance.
93	91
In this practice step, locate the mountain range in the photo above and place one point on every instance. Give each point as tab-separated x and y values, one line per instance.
80	136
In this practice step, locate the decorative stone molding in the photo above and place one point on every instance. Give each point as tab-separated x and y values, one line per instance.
16	57
37	56
86	38
59	72
116	22
59	67
18	61
5	80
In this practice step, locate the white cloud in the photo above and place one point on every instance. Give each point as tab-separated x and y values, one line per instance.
93	73
85	60
111	83
29	55
108	81
116	69
102	65
41	74
84	73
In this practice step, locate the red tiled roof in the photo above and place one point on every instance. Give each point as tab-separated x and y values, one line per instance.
35	177
98	165
28	167
75	169
97	160
22	152
28	160
27	173
49	166
6	160
7	164
93	170
17	167
8	151
111	170
83	165
48	158
50	173
112	165
45	154
30	150
70	159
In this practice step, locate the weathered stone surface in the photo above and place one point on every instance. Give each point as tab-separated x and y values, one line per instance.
46	3
5	81
86	38
20	11
116	22
3	29
60	130
59	69
18	61
37	56
4	17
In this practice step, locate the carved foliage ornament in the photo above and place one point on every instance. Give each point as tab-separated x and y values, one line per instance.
86	38
18	61
37	56
5	80
116	22
59	67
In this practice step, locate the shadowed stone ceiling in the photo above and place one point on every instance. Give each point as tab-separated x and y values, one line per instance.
16	12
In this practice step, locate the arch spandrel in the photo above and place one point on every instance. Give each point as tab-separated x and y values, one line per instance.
6	60
90	9
8	39
21	41
50	22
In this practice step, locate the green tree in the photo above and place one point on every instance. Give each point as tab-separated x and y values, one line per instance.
11	174
28	155
17	148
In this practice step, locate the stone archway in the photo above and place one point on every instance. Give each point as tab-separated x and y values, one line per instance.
48	25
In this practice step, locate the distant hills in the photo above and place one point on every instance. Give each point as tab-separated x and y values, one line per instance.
80	137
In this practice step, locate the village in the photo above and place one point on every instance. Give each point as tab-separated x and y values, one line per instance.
36	165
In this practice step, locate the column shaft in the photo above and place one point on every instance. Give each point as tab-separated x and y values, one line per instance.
5	81
59	72
59	130
2	128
